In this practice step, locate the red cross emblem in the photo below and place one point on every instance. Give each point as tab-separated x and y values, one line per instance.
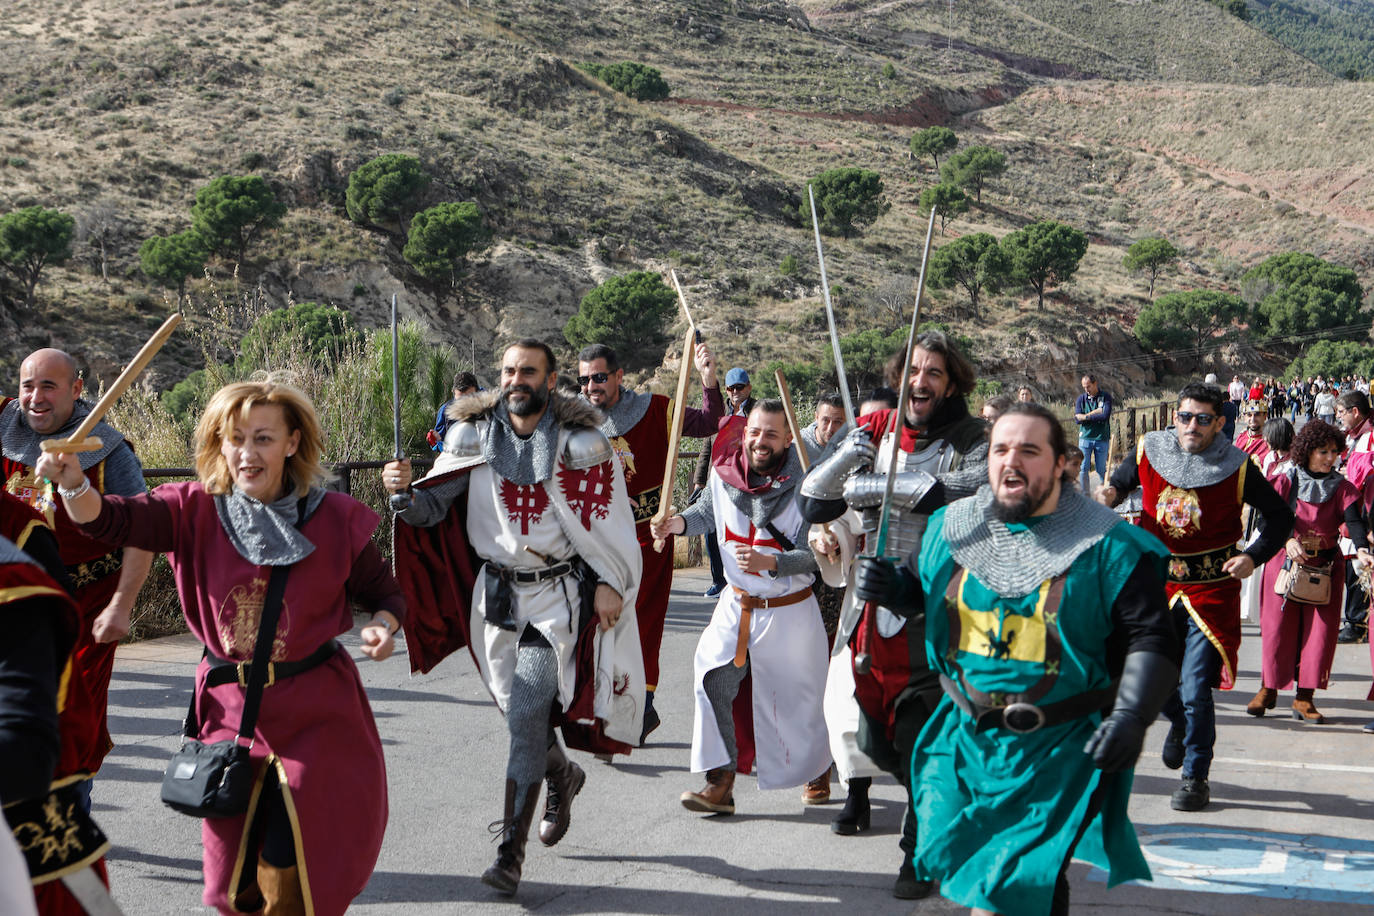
752	539
588	492
524	503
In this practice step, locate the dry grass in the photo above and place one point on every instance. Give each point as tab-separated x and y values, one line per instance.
140	103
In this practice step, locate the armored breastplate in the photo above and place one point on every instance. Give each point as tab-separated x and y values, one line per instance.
915	476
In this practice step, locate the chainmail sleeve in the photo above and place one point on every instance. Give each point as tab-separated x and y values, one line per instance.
429	505
971	474
700	516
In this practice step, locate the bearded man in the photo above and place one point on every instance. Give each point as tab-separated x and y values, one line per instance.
520	545
637	426
1039	602
1251	440
943	455
766	625
1193	486
828	424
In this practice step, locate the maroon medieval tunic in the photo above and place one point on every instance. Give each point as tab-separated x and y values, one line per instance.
317	722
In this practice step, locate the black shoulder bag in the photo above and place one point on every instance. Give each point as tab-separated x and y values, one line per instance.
216	780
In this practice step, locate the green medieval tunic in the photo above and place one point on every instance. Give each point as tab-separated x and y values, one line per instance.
1002	812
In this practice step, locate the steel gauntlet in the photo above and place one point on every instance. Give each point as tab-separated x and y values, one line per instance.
826	480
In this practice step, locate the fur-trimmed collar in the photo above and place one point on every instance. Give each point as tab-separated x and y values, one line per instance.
567	411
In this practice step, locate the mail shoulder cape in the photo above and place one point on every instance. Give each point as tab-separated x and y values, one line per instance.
999	811
438	566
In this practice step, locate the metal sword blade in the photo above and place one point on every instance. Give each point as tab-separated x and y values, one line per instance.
840	375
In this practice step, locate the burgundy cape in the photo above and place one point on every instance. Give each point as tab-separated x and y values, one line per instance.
437	568
317	722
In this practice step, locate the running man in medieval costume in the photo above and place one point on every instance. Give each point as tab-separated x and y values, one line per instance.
1194	484
1037	602
943	455
521	545
766	624
637	424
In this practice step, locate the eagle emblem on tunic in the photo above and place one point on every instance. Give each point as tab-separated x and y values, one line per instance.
1178	511
625	455
35	491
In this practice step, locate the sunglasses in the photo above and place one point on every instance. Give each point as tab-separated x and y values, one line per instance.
598	377
735	387
1203	419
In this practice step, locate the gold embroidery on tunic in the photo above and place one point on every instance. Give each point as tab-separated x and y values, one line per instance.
626	455
238	620
36	492
1178	511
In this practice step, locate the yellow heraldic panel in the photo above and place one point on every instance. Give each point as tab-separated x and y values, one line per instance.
1003	633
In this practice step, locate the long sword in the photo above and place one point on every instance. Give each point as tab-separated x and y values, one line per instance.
399	501
863	659
840	375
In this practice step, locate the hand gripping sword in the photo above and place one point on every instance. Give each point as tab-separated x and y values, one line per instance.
399	501
840	376
863	659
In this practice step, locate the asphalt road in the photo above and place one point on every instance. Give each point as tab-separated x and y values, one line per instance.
1290	829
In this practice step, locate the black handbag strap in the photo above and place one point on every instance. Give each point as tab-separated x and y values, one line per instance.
262	650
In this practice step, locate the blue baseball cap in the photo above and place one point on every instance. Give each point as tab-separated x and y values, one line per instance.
736	376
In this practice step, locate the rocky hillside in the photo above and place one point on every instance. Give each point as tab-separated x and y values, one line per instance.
118	110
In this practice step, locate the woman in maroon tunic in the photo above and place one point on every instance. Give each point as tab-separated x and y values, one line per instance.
1299	640
258	448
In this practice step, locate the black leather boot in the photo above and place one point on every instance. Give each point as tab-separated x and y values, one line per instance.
504	874
565	780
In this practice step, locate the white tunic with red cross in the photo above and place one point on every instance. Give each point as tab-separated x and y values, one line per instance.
787	656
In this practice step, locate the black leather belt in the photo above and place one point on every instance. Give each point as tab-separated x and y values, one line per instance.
92	571
1201	567
535	575
224	671
1024	718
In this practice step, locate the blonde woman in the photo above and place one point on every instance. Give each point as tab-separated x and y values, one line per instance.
318	810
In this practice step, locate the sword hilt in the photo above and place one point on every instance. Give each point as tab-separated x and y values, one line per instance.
400	502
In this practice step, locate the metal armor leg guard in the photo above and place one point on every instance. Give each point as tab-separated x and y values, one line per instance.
531	699
722	686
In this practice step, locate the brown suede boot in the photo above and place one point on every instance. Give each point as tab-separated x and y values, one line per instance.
1304	710
565	780
1265	699
817	791
281	890
718	797
504	874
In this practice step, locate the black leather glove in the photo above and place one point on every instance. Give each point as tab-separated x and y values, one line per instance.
883	582
1147	679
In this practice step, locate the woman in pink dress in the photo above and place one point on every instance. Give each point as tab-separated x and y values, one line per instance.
314	826
1299	639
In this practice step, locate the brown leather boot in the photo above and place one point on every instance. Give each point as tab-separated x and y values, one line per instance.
281	890
817	791
1265	699
1304	710
565	780
718	797
504	874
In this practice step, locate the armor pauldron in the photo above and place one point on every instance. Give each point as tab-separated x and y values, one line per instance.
862	491
586	448
463	440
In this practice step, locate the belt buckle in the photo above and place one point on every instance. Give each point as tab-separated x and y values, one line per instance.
242	669
1022	712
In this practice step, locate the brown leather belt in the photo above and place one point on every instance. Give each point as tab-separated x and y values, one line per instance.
747	603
